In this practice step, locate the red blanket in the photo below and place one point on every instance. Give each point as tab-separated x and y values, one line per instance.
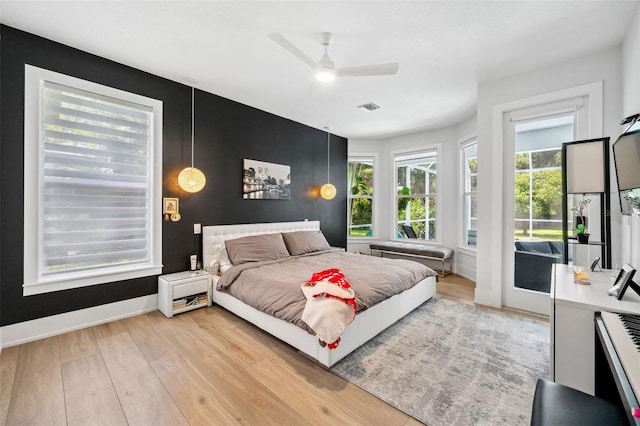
331	305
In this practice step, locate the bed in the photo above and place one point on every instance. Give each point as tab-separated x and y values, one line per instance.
369	321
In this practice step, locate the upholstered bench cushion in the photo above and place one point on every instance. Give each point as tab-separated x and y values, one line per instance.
414	249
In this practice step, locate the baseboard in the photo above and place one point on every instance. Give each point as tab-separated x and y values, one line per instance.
466	272
487	298
28	331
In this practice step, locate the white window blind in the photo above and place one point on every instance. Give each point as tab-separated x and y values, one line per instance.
91	156
95	181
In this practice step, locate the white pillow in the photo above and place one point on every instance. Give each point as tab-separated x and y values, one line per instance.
220	252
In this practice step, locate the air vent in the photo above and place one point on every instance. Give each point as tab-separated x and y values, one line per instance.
369	107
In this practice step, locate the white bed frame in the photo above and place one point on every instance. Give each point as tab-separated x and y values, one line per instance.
366	325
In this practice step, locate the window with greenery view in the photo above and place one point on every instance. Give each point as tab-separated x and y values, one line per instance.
360	175
538	194
538	176
416	183
469	191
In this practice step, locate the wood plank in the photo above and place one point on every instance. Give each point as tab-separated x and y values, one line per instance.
307	381
227	325
227	335
108	329
329	400
153	334
200	401
455	292
413	422
89	394
142	396
315	404
76	344
458	280
192	339
8	363
226	372
38	395
259	404
246	395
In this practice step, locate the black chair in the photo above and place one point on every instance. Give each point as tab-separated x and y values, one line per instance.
534	262
555	404
409	231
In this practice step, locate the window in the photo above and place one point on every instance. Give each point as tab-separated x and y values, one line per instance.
416	184
361	186
538	176
469	155
92	179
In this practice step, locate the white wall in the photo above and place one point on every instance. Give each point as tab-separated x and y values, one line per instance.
448	193
630	225
603	66
465	257
618	68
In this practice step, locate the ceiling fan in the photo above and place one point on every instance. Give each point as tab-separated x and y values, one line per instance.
325	68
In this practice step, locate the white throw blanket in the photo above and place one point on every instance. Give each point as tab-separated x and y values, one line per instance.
331	305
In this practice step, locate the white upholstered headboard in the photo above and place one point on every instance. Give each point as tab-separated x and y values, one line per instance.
214	235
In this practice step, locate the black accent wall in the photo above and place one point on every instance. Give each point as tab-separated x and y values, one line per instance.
226	132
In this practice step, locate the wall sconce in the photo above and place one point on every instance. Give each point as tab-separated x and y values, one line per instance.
191	179
328	191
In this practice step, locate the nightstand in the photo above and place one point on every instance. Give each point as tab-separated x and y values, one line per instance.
183	291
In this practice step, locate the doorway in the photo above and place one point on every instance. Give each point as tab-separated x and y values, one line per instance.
533	201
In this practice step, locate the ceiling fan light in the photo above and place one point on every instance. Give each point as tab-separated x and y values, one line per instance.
191	179
328	191
326	75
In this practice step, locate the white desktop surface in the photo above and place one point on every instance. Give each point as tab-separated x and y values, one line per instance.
573	308
593	296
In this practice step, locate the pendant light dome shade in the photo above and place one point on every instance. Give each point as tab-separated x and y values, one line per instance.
328	191
191	179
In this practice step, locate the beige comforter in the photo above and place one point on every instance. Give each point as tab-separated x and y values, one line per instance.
274	286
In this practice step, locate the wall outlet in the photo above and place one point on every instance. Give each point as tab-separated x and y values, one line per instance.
197	228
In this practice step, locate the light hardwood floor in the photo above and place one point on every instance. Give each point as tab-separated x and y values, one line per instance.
202	367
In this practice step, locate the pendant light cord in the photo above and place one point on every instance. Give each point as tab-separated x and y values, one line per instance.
192	121
328	152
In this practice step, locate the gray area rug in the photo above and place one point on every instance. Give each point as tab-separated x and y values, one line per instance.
448	363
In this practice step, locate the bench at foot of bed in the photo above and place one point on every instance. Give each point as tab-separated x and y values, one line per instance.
441	254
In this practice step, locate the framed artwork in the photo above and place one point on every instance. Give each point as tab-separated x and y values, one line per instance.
170	205
624	280
265	181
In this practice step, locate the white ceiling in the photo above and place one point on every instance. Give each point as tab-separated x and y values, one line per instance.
444	48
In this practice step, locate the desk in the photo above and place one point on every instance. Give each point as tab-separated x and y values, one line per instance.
573	307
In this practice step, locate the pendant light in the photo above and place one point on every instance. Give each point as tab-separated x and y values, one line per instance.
191	179
328	191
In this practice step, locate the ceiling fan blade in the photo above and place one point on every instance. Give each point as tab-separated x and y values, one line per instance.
368	70
288	46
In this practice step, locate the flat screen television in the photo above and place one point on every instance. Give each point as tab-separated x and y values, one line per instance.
626	156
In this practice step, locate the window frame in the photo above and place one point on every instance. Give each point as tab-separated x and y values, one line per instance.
417	152
33	281
373	157
465	143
